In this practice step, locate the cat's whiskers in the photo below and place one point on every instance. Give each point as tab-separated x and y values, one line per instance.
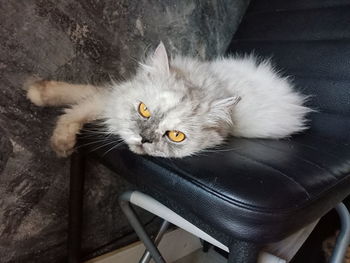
200	153
213	150
95	131
87	144
103	145
113	147
93	142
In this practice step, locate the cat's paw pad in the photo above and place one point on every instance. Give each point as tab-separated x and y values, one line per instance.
64	138
37	90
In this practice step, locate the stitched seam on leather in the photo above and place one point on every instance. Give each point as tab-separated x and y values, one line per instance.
316	149
327	140
212	191
300	158
275	169
225	197
329	189
176	170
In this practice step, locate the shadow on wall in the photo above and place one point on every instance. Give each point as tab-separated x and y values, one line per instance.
79	41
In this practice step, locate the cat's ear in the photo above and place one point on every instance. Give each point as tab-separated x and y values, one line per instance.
159	59
220	110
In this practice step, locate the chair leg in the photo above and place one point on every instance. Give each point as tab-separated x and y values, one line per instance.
146	257
243	252
124	202
343	239
76	192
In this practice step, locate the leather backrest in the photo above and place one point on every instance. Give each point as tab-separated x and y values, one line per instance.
308	40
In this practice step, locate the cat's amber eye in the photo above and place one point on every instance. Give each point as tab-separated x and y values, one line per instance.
143	110
176	136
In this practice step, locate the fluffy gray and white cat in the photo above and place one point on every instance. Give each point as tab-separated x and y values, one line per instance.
178	107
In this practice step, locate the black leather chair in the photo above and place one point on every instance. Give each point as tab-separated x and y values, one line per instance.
260	191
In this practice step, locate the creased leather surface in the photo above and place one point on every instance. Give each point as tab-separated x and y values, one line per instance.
263	190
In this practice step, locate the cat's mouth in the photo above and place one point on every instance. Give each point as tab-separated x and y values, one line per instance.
137	148
144	149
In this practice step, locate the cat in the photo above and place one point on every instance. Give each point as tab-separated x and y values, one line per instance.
179	106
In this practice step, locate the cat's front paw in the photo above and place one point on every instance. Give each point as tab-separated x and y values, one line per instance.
37	91
64	138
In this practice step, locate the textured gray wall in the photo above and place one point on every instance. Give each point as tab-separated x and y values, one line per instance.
79	41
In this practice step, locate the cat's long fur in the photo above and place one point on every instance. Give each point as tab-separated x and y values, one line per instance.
206	100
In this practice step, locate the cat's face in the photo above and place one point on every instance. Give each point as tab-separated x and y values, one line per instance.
165	123
158	114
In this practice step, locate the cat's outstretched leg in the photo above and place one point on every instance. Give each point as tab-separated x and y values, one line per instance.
70	123
56	93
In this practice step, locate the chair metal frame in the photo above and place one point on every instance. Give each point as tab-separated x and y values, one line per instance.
248	252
